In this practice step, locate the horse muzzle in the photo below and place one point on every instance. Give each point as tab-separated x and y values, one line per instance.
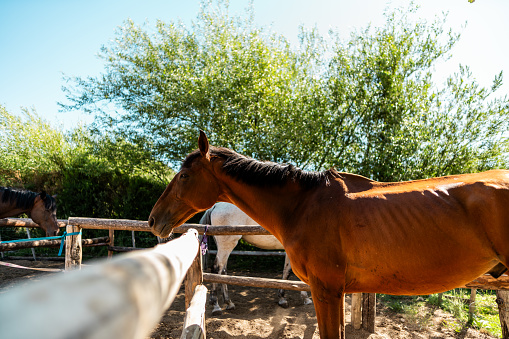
157	228
160	229
52	233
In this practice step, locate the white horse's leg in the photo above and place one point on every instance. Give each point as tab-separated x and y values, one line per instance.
303	294
307	300
216	310
225	245
281	293
229	304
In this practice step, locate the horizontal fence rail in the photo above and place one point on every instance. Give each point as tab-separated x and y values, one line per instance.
487	282
138	225
254	253
120	298
110	224
223	230
102	241
482	282
256	282
26	222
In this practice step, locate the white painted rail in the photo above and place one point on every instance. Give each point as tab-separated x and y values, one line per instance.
120	298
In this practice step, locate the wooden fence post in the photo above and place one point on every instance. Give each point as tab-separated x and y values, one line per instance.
112	242
194	278
369	312
194	322
356	310
471	305
73	248
503	311
440	298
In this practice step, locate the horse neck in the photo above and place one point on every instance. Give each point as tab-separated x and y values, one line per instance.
268	206
10	209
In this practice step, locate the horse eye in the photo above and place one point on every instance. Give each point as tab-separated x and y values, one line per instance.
184	176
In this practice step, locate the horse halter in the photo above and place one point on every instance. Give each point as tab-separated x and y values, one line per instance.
204	241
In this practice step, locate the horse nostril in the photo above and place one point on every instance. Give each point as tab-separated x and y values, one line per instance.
151	222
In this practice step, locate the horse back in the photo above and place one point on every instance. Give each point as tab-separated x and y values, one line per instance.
380	234
228	214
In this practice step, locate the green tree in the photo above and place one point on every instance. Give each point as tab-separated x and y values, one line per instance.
245	86
29	146
93	175
366	105
391	122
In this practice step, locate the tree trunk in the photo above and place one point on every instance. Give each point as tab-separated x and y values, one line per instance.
503	311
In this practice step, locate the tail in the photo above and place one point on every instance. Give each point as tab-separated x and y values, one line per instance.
206	219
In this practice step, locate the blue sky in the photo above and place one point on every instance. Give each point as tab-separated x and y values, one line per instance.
41	40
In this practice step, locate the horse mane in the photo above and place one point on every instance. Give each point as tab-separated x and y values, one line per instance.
50	203
263	173
25	199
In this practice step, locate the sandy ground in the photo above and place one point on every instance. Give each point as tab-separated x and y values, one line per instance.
257	314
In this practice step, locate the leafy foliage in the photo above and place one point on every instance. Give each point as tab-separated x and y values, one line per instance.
29	145
366	105
224	76
93	175
393	122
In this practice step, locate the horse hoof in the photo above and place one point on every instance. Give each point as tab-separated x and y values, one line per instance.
230	306
308	301
283	303
216	312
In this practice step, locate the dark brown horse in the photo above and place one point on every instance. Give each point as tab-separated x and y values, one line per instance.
41	207
345	233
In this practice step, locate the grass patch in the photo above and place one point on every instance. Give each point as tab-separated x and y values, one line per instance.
455	302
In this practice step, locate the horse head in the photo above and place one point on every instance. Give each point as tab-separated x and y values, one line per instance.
44	213
193	189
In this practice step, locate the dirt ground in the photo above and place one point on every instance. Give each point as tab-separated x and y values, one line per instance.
257	314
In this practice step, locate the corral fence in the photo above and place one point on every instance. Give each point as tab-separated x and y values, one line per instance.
148	279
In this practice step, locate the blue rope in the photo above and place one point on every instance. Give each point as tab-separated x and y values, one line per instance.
63	240
23	240
61	237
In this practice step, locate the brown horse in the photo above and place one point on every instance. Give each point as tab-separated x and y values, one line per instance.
41	207
345	233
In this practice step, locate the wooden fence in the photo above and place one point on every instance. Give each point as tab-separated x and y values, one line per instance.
363	310
120	298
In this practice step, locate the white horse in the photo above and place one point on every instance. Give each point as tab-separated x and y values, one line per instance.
222	214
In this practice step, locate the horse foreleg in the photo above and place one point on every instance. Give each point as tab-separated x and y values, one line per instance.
330	312
217	268
229	304
286	273
225	245
216	310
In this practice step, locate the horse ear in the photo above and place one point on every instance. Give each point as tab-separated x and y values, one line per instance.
43	195
55	196
203	144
